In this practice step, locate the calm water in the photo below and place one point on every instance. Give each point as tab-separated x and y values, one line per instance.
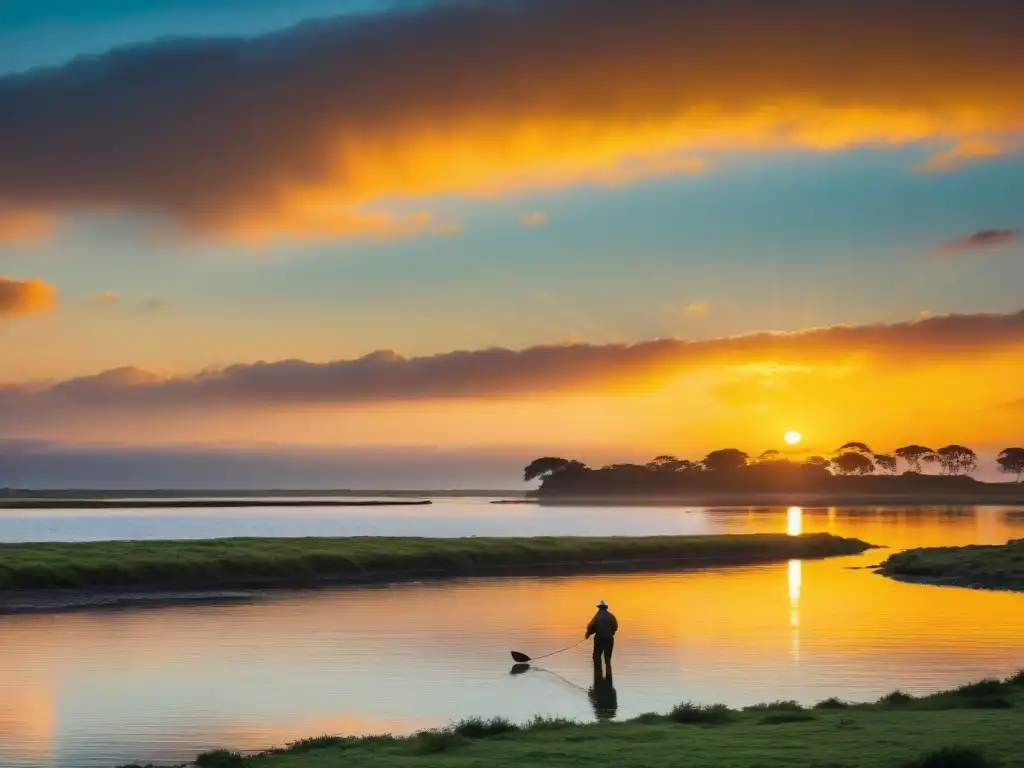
101	689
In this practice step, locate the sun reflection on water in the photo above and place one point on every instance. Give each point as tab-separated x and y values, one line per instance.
794	521
795	579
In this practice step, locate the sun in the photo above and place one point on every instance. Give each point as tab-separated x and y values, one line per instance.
792	437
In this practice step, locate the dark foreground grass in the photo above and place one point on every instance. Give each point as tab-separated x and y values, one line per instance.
977	726
225	563
992	567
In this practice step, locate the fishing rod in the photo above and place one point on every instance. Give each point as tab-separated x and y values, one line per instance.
522	658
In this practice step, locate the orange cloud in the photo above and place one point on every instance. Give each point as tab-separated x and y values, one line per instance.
534	220
966	152
23	224
387	376
317	131
25	297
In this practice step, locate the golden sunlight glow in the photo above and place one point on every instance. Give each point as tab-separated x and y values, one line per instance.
794	521
792	437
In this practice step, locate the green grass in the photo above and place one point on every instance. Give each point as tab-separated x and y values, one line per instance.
997	567
223	563
951	729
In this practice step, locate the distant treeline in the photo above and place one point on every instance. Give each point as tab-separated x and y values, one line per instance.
853	466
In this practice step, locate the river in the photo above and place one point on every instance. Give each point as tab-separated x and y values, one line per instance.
100	689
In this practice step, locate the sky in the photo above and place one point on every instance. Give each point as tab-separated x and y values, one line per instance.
491	228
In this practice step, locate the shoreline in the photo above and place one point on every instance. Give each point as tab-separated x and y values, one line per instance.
196	504
794	499
246	567
940	581
978	724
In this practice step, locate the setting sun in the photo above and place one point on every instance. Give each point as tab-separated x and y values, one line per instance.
792	437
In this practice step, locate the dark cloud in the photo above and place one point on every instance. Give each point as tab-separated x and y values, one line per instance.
25	297
313	130
983	238
500	373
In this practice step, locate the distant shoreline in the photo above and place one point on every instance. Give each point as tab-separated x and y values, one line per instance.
248	493
196	503
793	499
991	494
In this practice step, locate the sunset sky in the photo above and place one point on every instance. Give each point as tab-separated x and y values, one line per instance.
590	226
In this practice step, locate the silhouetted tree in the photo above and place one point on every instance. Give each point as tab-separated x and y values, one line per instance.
957	460
817	462
886	462
852	463
770	455
544	467
914	455
1011	462
725	460
668	463
854	447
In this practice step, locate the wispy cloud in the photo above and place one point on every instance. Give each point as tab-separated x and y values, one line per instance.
981	240
698	308
964	153
286	135
535	219
25	297
387	376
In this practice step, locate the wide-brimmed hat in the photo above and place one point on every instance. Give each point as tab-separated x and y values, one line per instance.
602	604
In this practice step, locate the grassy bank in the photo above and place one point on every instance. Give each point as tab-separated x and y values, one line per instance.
977	726
235	563
991	567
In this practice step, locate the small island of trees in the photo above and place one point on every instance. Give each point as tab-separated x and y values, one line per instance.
854	467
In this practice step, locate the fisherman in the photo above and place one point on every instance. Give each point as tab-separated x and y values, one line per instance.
603	627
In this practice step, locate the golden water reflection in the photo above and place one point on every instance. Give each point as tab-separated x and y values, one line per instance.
94	689
794	521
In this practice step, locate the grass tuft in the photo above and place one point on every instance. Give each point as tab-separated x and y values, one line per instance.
693	714
434	741
319	742
896	699
832	703
478	728
987	687
540	723
648	718
952	757
221	758
776	706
